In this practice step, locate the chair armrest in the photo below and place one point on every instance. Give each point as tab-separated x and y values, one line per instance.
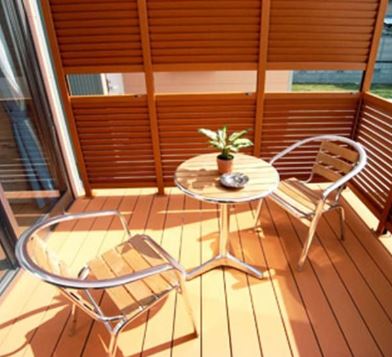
91	214
95	284
174	263
22	254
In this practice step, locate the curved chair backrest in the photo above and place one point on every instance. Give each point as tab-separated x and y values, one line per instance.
333	162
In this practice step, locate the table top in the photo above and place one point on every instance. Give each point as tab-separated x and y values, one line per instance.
198	177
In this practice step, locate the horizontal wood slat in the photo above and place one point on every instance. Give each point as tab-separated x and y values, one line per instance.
115	137
293	116
375	133
102	24
179	117
316	32
197	32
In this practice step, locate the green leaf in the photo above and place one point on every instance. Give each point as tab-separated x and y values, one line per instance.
222	135
236	135
208	133
231	148
242	143
217	144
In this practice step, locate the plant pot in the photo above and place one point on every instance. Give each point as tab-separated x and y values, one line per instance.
224	165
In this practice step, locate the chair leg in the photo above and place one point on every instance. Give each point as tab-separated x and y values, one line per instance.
258	212
74	319
342	220
113	344
188	305
309	240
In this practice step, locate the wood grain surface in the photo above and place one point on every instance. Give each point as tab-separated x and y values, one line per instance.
199	178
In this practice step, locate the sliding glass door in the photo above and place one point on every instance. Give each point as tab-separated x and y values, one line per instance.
32	176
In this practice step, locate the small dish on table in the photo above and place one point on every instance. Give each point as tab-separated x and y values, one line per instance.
234	180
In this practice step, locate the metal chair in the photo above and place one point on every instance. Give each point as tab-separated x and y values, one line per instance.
335	163
136	275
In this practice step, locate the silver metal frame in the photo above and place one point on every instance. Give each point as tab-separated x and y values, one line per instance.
336	186
224	258
64	283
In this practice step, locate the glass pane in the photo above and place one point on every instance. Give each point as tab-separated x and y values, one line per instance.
5	263
28	168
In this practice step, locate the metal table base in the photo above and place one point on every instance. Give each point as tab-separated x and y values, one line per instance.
224	258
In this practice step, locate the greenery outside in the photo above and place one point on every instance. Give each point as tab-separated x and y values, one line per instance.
383	90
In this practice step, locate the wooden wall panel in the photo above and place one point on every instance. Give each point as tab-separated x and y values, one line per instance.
293	116
115	138
101	36
179	117
374	131
201	34
321	34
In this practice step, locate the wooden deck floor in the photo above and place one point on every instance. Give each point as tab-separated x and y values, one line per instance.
340	305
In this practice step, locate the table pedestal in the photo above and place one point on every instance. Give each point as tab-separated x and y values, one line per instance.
224	258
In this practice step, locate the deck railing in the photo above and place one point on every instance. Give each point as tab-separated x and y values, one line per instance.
128	140
374	131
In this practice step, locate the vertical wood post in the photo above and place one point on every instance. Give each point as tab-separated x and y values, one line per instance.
385	214
149	77
65	94
368	76
357	117
261	74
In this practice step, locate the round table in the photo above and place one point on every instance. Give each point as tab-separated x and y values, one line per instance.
198	177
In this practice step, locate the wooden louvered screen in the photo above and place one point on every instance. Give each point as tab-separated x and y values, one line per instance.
375	133
211	34
123	141
98	36
180	116
293	116
114	133
315	34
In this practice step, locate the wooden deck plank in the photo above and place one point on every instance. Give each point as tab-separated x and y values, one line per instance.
157	339
371	310
297	321
98	337
76	342
365	265
380	255
325	325
24	285
215	332
40	302
338	305
77	255
243	330
270	323
359	338
188	345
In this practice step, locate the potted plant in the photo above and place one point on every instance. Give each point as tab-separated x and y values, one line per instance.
227	145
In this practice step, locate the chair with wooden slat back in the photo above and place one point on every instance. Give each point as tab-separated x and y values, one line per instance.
339	159
135	275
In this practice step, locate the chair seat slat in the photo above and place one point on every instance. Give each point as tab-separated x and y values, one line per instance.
119	295
153	258
139	290
156	283
326	172
336	149
297	196
335	162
